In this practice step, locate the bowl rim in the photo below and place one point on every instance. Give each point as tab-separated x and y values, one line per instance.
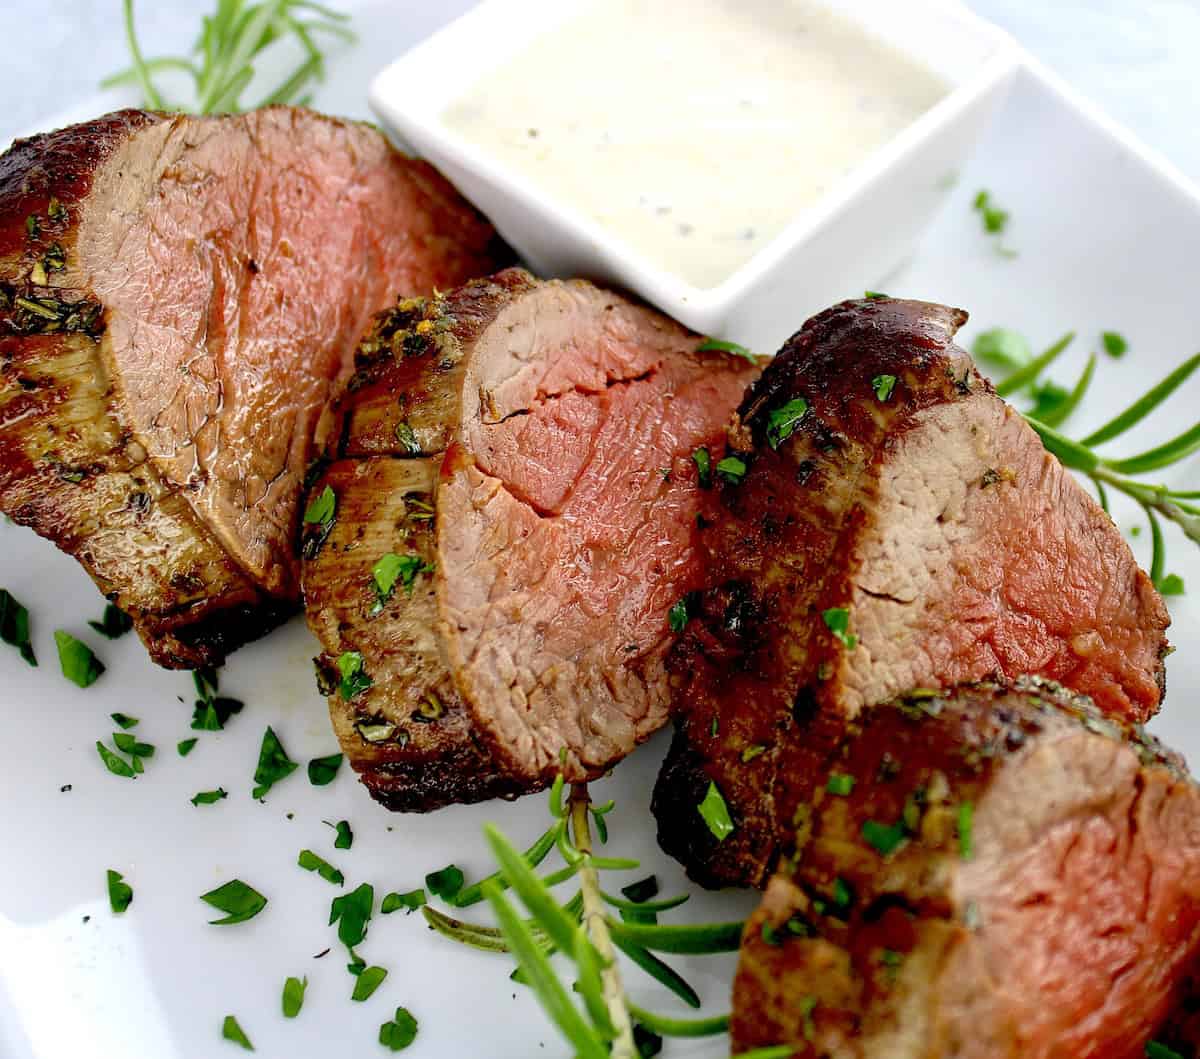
421	125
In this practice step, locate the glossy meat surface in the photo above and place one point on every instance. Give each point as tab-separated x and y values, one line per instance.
899	526
988	873
177	297
555	425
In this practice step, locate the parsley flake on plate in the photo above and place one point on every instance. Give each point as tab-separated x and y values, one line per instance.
445	883
411	901
185	746
840	784
310	861
209	797
732	469
14	626
128	744
883	385
716	345
400	1032
120	893
293	996
79	665
273	764
239	901
115	764
345	837
1115	343
352	912
883	838
231	1031
703	461
368	980
114	624
321	770
123	720
392	568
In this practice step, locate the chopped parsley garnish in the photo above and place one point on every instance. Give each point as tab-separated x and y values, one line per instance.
715	345
123	720
874	295
840	784
883	838
210	714
120	893
128	744
231	1031
753	751
412	900
732	469
321	514
715	813
115	623
883	385
1115	343
209	797
273	764
321	770
445	883
1171	585
400	1032
370	979
293	996
351	912
310	861
407	437
965	822
837	621
14	626
321	508
78	664
679	615
843	896
239	901
345	837
115	764
782	421
1158	1050
703	462
354	677
995	220
392	568
185	746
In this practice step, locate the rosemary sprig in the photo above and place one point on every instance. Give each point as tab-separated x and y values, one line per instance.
221	64
1008	349
602	1021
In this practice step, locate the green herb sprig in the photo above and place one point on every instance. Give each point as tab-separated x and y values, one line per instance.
1008	349
221	63
596	1015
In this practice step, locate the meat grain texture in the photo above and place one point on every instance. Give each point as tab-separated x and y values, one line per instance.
899	526
177	297
994	872
525	449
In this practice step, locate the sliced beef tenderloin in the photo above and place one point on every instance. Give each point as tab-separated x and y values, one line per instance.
177	296
984	874
898	526
524	450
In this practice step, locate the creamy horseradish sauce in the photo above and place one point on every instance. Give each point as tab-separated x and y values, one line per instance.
695	130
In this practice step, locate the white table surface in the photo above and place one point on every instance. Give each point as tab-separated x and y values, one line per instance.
1136	58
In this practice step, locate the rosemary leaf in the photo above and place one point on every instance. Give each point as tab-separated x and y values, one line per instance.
709	1027
1164	455
684	940
1022	377
534	855
537	970
1145	404
659	971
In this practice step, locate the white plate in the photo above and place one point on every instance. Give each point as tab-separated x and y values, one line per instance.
1107	240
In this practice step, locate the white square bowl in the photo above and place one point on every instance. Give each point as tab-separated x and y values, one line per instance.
850	240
